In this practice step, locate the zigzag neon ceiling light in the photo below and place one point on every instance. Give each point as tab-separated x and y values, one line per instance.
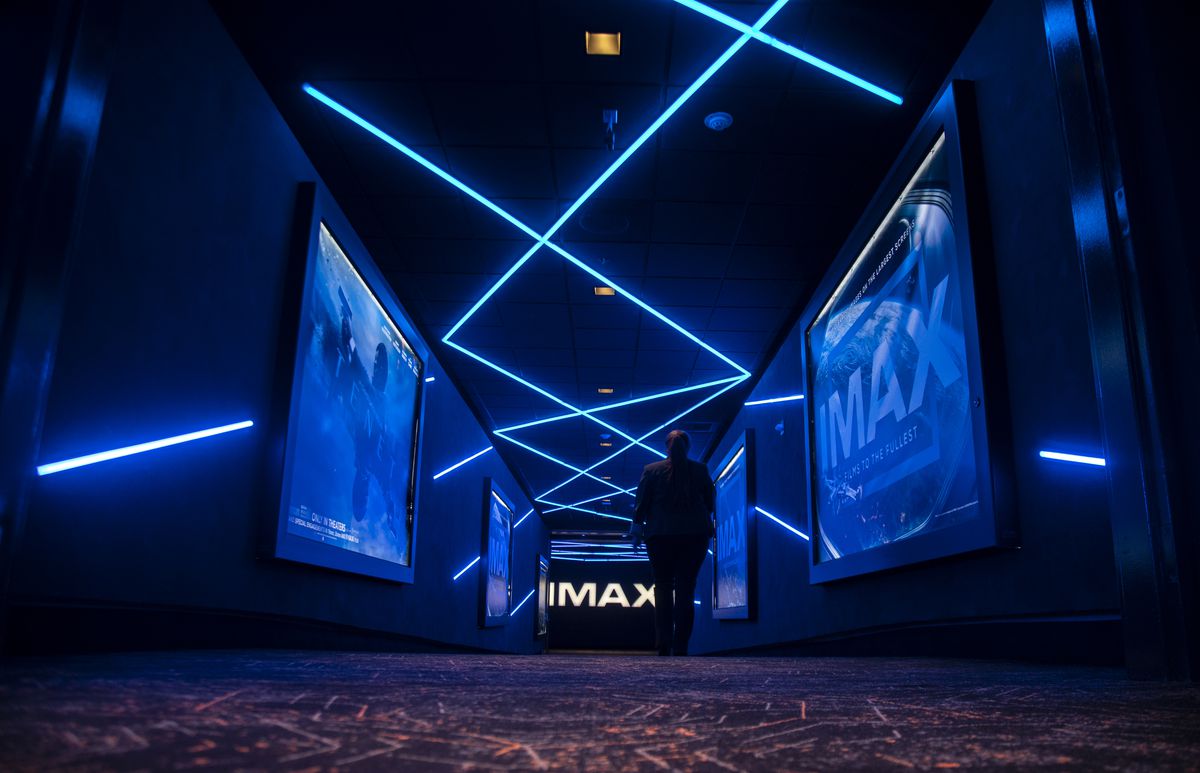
748	32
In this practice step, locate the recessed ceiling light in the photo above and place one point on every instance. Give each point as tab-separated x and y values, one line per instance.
602	290
718	122
606	444
604	390
602	43
605	477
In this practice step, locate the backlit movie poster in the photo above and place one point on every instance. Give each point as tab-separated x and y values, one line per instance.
732	565
499	522
892	439
351	483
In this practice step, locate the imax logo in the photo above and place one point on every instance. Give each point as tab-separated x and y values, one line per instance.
585	595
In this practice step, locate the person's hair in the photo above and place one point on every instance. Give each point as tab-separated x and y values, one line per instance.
678	469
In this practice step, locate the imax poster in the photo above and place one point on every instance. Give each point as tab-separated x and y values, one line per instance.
354	437
499	531
893	444
732	565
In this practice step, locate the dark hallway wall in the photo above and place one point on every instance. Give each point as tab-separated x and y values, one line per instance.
1064	568
173	316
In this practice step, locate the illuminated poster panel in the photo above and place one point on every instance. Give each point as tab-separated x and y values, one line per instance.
495	581
541	617
734	545
897	435
349	486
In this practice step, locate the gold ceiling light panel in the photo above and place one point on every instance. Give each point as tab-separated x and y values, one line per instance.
603	291
605	390
602	43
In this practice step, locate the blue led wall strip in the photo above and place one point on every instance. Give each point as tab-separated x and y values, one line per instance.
803	56
140	448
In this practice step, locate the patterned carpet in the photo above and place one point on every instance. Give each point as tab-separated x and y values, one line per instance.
349	712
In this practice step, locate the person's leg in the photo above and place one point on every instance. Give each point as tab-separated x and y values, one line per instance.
691	553
662	565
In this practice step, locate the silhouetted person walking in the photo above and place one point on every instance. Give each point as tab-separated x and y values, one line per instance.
674	508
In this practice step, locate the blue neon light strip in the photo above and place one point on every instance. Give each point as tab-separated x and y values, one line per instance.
618	452
344	111
523	517
556	460
628	491
622	404
666	115
641	140
543	240
1059	456
456	465
517	608
560	506
787	526
605	560
648	308
543	392
787	399
463	571
803	56
117	453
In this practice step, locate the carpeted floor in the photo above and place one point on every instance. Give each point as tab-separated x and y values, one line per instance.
331	711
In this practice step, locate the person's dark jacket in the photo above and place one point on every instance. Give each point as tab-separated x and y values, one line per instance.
664	514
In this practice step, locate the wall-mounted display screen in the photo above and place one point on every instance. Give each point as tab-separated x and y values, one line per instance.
495	581
892	370
541	620
349	484
733	547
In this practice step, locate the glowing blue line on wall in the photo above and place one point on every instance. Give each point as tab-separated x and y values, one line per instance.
787	526
787	399
803	56
523	517
456	465
463	571
517	608
1059	456
117	453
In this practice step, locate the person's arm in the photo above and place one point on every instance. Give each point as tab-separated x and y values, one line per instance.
641	510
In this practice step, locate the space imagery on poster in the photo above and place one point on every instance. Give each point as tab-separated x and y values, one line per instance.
352	441
734	542
496	578
892	444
